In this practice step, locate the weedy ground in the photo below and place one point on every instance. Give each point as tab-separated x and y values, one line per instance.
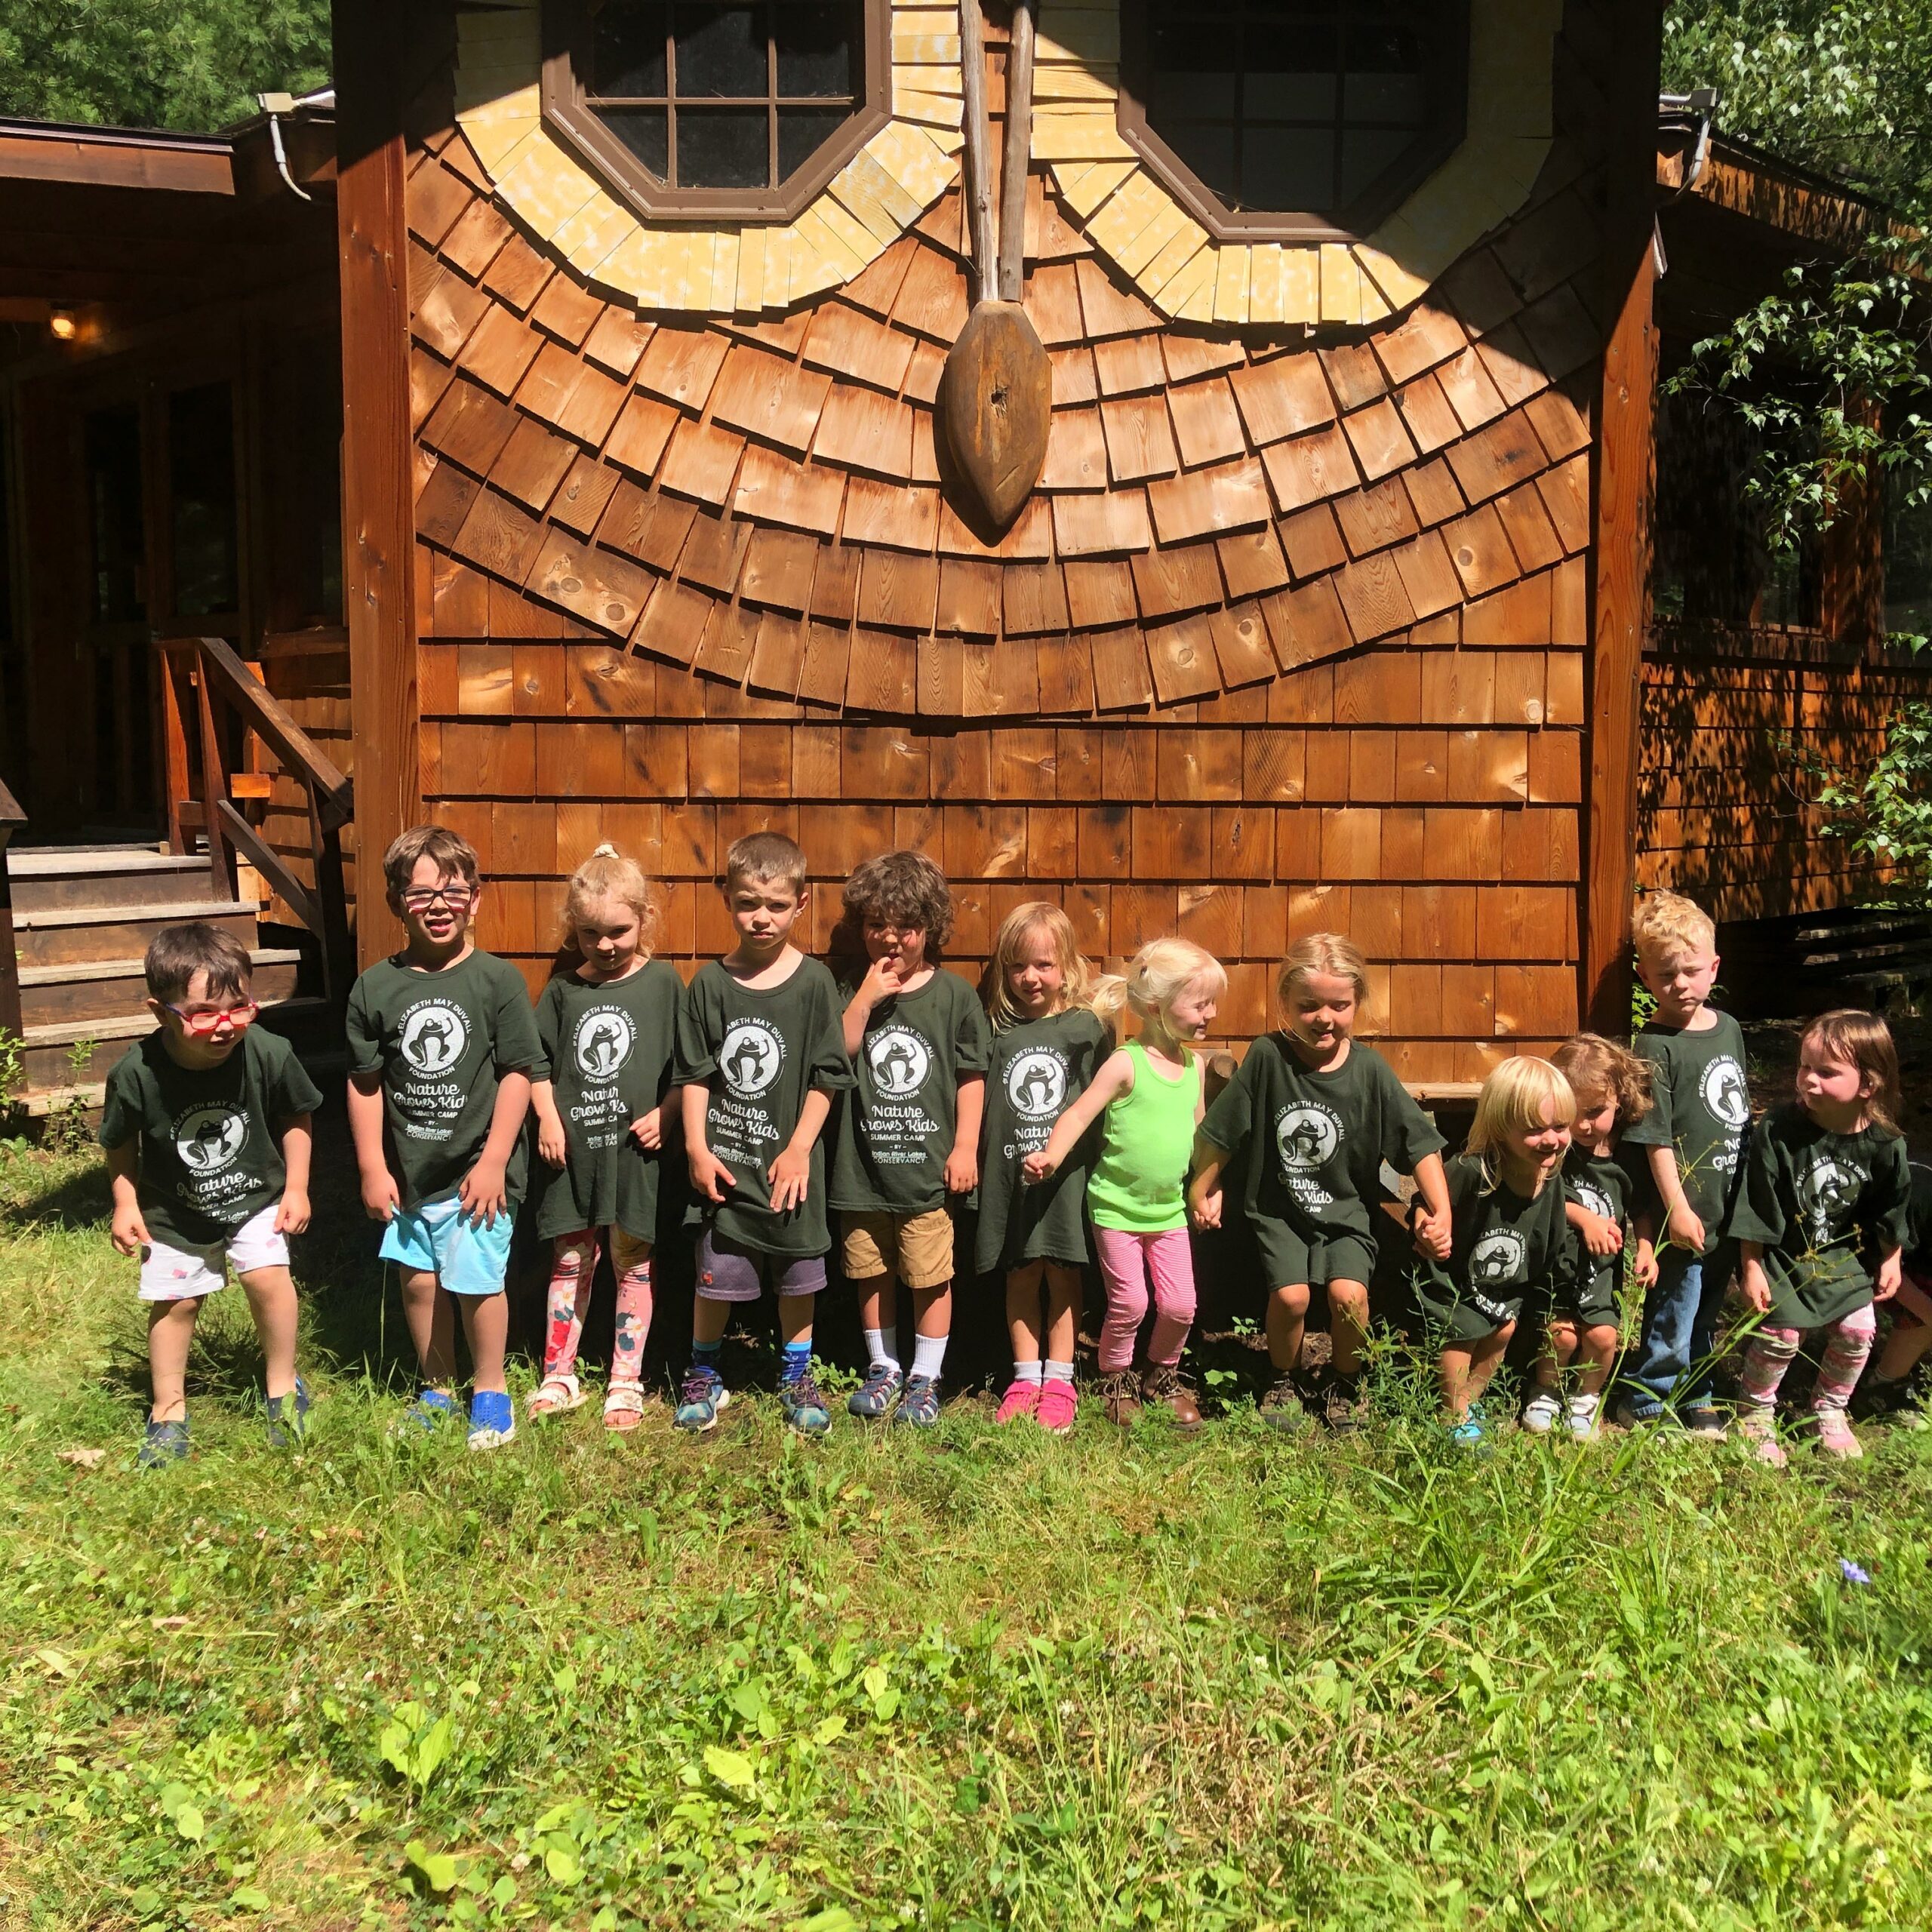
977	1679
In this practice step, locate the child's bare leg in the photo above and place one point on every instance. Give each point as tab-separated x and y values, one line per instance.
1599	1350
1063	1311
271	1292
1452	1369
431	1322
795	1317
1287	1318
933	1310
486	1323
1348	1324
710	1318
1911	1333
879	1302
1484	1357
1023	1310
170	1334
1559	1349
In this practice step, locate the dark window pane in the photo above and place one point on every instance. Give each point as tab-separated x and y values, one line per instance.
1209	151
627	48
721	51
642	130
1290	168
801	132
1195	96
723	148
111	439
815	48
200	474
1366	154
1389	98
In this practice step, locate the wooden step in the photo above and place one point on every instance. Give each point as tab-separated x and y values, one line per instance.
48	877
64	935
49	1051
102	988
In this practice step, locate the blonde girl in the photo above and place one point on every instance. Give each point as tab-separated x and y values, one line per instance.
1047	1041
1150	1093
1609	1202
1320	1113
1508	1237
1821	1223
606	1026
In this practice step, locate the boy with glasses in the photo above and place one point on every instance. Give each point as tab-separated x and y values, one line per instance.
441	1039
206	1127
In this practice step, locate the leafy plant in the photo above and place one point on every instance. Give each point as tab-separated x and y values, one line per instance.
1883	813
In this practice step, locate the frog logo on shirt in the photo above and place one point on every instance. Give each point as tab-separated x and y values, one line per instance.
899	1060
1307	1138
434	1035
602	1042
1724	1093
1590	1196
750	1058
1496	1258
208	1137
1827	1189
1036	1083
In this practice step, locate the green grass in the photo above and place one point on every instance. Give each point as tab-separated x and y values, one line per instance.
980	1679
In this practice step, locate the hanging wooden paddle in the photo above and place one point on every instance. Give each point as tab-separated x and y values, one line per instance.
995	394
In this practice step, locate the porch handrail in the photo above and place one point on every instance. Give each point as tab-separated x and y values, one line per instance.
263	714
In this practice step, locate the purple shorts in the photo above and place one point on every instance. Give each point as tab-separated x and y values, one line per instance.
728	1271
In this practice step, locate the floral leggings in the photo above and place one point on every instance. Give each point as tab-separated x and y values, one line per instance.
573	1266
1848	1342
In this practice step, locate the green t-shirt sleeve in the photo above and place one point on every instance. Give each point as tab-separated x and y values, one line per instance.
549	1029
1554	1262
1231	1119
1759	1213
831	1066
363	1029
1891	1176
695	1056
972	1037
122	1112
516	1048
1408	1136
287	1089
1654	1129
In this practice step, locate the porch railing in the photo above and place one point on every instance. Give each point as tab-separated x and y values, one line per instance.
209	688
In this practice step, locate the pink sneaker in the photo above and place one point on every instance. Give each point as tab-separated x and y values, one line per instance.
1021	1398
1834	1435
1057	1404
1759	1430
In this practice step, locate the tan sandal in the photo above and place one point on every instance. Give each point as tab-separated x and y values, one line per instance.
554	1395
623	1407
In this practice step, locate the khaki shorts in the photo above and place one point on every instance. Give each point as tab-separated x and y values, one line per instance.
918	1248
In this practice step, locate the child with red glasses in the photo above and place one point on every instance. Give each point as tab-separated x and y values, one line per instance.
206	1127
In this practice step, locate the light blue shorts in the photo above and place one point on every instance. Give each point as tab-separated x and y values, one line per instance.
437	1237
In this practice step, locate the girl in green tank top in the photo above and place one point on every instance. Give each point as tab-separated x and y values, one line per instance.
1147	1097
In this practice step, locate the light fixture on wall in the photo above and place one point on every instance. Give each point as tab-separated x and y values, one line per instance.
63	325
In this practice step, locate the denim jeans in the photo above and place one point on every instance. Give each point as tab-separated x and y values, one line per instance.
1673	1355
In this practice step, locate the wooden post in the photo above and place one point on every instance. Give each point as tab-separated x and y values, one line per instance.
1622	460
1019	149
215	788
371	43
11	819
979	147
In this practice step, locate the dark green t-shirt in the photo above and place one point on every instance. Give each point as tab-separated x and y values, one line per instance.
1826	1207
606	1053
441	1040
1504	1247
895	1124
1702	1111
1035	1070
1320	1138
759	1053
1919	1223
211	1149
1617	1185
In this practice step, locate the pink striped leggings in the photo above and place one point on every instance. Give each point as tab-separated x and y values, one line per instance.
1126	1261
1848	1342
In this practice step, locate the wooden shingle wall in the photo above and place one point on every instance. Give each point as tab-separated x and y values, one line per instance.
1290	635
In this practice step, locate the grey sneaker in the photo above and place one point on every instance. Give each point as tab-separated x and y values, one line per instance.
698	1400
803	1406
1281	1408
1542	1412
162	1443
920	1405
873	1400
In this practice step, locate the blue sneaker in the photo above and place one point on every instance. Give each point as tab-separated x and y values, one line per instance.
874	1396
432	1407
703	1394
805	1406
162	1443
288	1416
492	1419
921	1405
1469	1433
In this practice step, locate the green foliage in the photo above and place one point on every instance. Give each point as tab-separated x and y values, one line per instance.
1883	814
190	64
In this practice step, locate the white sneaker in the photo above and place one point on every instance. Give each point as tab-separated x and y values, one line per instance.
1542	1411
1582	1417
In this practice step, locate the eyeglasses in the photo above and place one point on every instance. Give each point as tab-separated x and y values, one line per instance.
207	1020
421	898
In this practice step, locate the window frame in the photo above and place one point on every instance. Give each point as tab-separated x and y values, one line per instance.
1433	146
569	115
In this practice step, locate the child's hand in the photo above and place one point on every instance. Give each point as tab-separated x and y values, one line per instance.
1601	1234
292	1217
1890	1273
550	1142
1434	1234
1644	1270
647	1129
1204	1208
880	983
1037	1169
482	1192
380	1196
788	1176
127	1231
1757	1288
1684	1228
710	1175
962	1170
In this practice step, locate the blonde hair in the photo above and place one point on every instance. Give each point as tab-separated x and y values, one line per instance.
1163	969
1512	1101
608	874
1328	954
1593	1064
1078	978
1666	925
1864	1041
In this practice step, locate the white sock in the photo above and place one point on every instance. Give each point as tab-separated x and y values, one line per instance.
928	1353
882	1348
1026	1371
1060	1371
